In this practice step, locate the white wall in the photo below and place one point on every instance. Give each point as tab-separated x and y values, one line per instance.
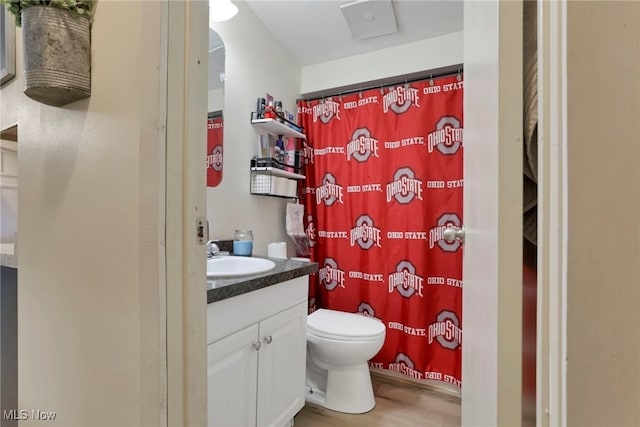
255	64
215	100
603	246
423	55
90	341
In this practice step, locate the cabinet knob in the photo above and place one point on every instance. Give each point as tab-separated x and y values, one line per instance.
256	345
268	339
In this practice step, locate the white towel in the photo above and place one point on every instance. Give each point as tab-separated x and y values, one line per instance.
295	229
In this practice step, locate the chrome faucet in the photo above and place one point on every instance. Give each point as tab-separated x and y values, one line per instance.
212	249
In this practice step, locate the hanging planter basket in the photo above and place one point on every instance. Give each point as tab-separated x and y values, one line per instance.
57	55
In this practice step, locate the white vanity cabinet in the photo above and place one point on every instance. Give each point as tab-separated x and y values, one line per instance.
256	356
232	366
281	366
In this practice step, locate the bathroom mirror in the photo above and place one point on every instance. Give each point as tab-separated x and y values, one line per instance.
215	119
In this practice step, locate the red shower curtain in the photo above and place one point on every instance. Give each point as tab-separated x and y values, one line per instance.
384	178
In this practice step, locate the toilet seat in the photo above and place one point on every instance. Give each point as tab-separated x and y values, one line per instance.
341	326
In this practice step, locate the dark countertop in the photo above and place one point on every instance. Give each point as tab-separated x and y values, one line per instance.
8	255
285	269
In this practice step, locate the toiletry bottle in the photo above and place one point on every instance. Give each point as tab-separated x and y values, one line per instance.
290	155
276	157
279	112
280	151
269	112
243	242
260	108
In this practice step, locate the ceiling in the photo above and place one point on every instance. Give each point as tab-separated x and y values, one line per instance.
315	31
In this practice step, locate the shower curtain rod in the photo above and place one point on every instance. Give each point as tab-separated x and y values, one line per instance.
383	84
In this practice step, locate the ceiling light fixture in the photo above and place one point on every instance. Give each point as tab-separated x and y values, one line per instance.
369	18
221	10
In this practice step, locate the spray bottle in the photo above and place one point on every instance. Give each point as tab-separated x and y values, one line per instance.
290	155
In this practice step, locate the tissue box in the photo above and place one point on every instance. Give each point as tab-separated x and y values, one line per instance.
280	186
292	188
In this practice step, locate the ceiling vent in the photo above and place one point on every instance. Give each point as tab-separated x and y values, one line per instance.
369	18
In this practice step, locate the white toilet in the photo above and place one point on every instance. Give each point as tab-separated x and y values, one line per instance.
339	345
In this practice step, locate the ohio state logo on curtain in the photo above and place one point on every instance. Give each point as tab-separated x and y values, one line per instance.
384	180
214	150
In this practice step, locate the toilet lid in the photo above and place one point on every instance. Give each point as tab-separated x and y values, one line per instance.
339	325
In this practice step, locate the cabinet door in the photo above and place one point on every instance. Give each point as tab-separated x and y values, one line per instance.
281	366
232	379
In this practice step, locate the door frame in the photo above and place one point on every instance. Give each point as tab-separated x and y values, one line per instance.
492	262
551	350
551	382
185	201
491	391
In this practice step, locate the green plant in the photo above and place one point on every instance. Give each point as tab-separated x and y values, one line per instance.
74	7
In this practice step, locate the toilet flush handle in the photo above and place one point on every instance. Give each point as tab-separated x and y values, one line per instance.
268	339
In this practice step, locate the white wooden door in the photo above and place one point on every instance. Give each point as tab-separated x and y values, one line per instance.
232	364
281	366
492	266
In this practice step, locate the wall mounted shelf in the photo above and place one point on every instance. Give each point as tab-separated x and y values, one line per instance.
265	179
278	172
269	181
274	127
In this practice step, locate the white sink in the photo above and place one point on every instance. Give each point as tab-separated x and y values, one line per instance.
229	266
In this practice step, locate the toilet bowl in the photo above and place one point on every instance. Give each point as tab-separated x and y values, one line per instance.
339	345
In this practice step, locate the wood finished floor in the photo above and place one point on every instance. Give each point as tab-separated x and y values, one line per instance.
397	405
